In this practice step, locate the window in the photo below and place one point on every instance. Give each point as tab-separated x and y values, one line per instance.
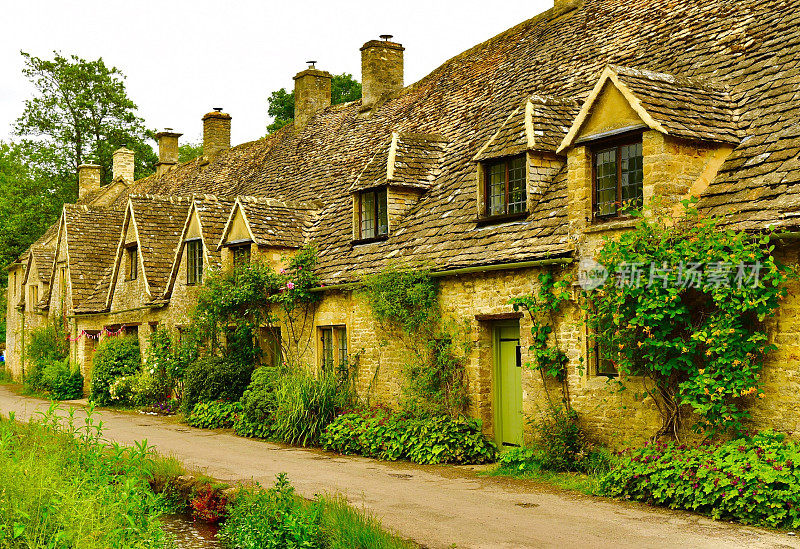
14	285
334	347
62	277
241	255
373	216
271	346
194	261
34	295
506	189
604	362
618	179
133	262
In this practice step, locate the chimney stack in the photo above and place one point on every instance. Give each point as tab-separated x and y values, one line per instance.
216	133
312	93
89	178
167	150
123	165
381	69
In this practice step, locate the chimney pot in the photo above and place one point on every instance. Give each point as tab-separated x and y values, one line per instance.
89	179
312	93
216	132
123	165
167	150
381	69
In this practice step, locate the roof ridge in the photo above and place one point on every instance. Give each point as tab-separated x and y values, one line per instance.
669	78
276	202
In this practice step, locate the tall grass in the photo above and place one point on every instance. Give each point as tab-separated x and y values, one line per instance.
60	487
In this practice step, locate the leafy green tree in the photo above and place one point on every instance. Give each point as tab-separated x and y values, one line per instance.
189	151
80	112
344	88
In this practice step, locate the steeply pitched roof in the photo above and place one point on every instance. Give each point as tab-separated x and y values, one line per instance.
405	160
91	235
213	213
275	222
539	124
159	223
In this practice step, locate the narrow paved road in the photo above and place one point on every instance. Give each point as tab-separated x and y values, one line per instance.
435	506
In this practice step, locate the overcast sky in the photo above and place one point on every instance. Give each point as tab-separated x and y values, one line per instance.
182	58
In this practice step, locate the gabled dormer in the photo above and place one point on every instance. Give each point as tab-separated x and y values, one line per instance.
646	139
392	182
518	162
265	229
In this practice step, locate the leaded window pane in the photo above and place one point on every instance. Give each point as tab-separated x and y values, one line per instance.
383	214
342	346
368	215
606	182
516	186
497	189
632	173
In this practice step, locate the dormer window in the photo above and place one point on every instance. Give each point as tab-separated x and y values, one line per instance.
194	261
133	262
374	213
506	192
241	255
618	178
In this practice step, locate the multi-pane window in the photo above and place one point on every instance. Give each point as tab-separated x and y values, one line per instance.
605	362
34	295
506	191
194	261
618	179
373	214
241	256
133	262
333	341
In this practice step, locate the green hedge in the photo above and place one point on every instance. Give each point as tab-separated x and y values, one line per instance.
436	439
219	414
115	357
61	381
211	379
753	480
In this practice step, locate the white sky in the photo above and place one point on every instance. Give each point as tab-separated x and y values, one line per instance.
183	57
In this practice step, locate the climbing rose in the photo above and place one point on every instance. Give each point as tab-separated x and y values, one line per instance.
290	285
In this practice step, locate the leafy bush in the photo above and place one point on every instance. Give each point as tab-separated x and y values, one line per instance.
562	442
379	434
755	480
214	378
150	387
219	414
208	504
61	382
115	357
47	345
278	518
292	406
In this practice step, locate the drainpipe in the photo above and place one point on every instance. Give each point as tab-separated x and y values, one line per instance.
466	270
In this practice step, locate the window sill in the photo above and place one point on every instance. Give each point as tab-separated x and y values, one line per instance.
369	240
611	224
497	219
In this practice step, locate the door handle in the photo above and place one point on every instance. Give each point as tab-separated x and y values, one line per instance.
519	356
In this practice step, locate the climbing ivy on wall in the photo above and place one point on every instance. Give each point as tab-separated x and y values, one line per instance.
542	308
684	309
406	305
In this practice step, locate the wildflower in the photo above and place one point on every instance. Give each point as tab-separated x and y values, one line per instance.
283	271
290	285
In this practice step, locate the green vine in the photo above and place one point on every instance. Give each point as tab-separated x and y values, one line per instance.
542	308
406	305
690	323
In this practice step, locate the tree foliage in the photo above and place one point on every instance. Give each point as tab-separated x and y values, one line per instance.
189	151
693	329
344	88
80	113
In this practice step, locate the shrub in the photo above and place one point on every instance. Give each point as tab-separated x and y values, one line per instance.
47	345
215	415
115	357
561	440
214	378
292	406
439	439
755	480
208	504
60	381
150	387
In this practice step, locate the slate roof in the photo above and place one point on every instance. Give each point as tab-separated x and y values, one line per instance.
159	224
406	160
92	235
44	259
539	124
213	213
278	223
708	69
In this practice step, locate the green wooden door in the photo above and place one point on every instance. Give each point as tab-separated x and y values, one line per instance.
508	396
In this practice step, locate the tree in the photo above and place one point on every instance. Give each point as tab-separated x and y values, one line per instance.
344	88
80	113
189	151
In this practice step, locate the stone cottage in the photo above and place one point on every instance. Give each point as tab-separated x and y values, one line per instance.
508	160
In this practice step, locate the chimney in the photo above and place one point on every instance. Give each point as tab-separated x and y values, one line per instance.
216	133
167	150
123	165
89	177
312	93
381	69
